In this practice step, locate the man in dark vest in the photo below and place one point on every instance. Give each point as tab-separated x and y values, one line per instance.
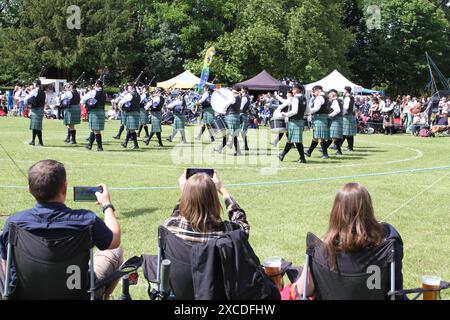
95	101
245	108
36	99
321	130
131	104
296	114
70	103
349	118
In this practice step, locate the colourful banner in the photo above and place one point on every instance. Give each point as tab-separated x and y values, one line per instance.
205	71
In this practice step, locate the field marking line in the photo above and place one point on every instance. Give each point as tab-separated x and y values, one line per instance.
414	197
419	154
268	183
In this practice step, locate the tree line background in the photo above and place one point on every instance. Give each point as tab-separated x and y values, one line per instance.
305	39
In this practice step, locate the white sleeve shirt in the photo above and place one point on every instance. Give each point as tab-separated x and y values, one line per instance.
318	102
174	104
33	93
244	101
336	108
156	100
346	103
204	97
90	95
67	95
127	98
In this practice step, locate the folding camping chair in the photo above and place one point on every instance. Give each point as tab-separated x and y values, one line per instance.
56	269
365	275
49	269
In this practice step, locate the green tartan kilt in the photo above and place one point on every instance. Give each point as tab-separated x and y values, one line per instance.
36	117
295	131
143	117
336	128
349	126
72	115
208	116
320	127
156	121
123	118
178	121
244	121
132	120
233	122
97	119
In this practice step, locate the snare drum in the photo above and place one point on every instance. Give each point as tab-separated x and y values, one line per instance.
218	127
278	125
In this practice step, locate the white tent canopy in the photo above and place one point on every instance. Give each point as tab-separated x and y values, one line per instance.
334	80
186	80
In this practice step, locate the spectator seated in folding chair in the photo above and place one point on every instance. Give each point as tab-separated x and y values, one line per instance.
442	126
358	258
204	251
39	245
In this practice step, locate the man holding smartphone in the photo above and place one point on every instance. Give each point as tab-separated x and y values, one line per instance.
52	219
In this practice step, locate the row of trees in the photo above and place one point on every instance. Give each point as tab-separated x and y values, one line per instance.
377	43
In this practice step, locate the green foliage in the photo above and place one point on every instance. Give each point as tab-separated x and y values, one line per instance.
301	38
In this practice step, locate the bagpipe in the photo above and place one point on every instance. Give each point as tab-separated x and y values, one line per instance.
92	102
66	102
127	105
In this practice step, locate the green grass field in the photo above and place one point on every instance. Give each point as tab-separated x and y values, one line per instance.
408	178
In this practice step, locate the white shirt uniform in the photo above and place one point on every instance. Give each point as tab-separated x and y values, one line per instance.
295	106
318	102
33	94
335	107
127	98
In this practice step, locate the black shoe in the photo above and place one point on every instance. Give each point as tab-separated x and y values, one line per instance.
308	154
247	149
213	139
31	143
333	148
301	161
73	142
116	137
281	157
135	148
237	154
88	147
146	142
67	141
325	157
99	149
169	139
87	139
339	153
40	144
123	145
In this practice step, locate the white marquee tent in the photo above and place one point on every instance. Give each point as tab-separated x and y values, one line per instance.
186	80
335	80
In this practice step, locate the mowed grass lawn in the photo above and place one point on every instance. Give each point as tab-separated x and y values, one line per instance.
282	203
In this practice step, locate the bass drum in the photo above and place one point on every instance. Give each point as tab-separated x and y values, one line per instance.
278	125
221	100
218	127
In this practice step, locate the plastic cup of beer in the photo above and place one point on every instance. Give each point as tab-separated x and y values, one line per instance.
272	267
431	283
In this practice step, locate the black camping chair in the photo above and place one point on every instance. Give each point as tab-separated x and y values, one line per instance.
365	275
49	269
57	269
171	269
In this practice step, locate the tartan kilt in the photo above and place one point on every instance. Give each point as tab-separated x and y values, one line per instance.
143	117
349	126
156	122
336	128
72	115
36	117
97	119
133	120
295	131
244	121
178	121
233	122
207	116
123	118
320	127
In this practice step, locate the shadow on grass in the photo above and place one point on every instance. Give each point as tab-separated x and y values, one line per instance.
137	212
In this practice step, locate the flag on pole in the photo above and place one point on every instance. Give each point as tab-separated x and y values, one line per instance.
205	71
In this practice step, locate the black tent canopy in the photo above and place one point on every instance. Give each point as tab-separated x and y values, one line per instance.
263	82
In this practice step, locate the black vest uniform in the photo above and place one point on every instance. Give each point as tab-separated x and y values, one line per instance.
135	102
158	108
100	96
341	107
75	98
235	108
207	103
38	102
246	107
325	108
301	108
351	106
